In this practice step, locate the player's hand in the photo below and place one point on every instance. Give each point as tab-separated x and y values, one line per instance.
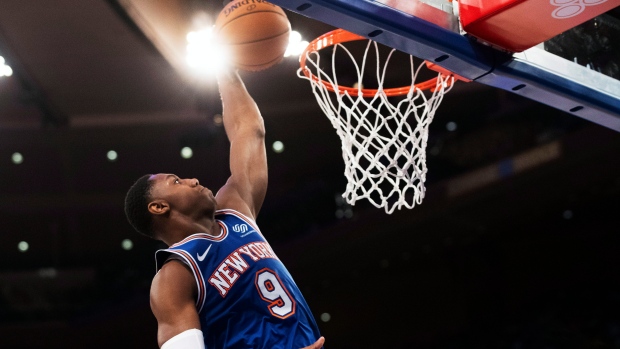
317	345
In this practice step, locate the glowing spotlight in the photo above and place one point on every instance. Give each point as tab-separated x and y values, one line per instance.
278	146
17	158
127	244
294	36
112	155
186	152
5	70
204	55
217	119
23	246
296	45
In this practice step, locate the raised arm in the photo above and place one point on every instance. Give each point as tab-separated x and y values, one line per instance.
245	189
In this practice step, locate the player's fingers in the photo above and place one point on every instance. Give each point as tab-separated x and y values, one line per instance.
317	345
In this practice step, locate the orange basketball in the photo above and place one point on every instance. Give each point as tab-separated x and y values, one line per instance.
255	32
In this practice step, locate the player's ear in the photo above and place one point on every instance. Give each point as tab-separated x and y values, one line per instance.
158	207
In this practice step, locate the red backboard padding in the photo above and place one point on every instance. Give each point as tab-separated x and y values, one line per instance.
516	25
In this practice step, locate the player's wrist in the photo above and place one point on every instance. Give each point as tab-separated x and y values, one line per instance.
190	339
228	75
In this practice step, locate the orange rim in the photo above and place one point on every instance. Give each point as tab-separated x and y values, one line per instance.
339	36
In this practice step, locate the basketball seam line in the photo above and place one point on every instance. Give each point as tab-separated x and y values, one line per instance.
258	65
245	14
259	40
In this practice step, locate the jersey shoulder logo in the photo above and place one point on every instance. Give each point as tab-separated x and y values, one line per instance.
243	229
201	257
240	228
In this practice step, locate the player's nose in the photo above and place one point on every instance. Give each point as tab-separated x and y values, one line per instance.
195	182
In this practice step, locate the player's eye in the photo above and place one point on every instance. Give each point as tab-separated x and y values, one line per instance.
176	181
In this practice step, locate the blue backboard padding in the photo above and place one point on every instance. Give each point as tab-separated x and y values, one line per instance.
557	91
462	55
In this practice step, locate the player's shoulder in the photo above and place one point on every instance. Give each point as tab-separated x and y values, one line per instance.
222	212
226	214
171	287
172	271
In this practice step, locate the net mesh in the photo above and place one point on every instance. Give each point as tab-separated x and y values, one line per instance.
383	138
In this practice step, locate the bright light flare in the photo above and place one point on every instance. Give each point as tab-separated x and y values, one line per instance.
127	244
278	146
23	246
112	155
187	152
5	70
17	158
204	55
296	45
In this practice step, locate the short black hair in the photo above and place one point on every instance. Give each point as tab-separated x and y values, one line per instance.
136	206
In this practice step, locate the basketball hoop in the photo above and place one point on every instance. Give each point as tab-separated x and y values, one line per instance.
385	157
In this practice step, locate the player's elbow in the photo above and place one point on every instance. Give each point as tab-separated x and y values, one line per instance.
255	128
259	130
252	126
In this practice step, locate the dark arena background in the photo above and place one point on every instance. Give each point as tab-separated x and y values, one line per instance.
516	244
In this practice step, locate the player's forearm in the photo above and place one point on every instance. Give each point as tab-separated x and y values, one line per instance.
248	160
241	114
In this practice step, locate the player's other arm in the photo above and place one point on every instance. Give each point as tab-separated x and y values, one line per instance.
317	345
245	189
173	294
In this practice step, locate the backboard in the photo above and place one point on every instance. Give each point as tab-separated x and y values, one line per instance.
577	71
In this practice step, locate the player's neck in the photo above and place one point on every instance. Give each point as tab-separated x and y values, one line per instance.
181	229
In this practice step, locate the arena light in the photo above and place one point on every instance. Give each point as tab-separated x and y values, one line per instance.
127	244
23	246
17	158
204	55
278	146
187	152
296	45
112	155
5	70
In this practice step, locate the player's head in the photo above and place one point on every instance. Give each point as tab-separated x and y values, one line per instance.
136	206
163	199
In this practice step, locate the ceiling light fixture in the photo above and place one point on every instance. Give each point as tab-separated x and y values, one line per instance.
204	55
5	70
296	45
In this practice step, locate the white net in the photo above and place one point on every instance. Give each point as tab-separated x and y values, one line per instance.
384	155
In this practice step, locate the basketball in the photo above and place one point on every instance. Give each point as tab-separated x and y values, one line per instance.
255	32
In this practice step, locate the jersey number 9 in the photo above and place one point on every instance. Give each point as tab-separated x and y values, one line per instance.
271	290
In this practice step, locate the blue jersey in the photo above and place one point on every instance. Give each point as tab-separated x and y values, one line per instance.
246	297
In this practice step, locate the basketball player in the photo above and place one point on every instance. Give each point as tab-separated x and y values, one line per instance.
219	284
